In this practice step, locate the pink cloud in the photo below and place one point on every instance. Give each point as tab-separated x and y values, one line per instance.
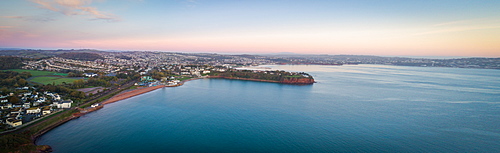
75	7
31	18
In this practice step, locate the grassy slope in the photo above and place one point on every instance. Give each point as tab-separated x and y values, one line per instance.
38	73
49	80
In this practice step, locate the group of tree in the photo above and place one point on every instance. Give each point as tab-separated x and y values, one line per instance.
14	79
10	62
263	75
158	75
67	93
104	81
75	74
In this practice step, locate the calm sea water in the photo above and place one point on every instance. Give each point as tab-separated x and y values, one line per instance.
353	108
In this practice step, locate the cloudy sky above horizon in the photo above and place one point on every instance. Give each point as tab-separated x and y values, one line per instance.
363	27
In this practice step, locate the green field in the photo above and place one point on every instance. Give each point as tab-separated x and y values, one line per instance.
49	80
39	73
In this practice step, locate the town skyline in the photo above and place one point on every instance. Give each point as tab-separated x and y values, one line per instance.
382	28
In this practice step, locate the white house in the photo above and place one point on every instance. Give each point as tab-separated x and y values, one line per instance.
46	110
41	100
13	122
54	96
57	97
90	74
94	105
64	104
6	106
33	110
26	105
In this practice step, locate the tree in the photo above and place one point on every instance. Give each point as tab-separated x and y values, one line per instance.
22	82
79	83
9	62
13	99
81	94
74	94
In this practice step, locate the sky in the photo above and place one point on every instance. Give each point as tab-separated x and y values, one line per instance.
357	27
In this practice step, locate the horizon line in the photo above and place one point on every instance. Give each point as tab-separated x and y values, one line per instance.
250	53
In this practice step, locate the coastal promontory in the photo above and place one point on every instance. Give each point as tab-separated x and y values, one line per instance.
299	78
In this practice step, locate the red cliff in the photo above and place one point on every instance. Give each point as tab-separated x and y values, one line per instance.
298	81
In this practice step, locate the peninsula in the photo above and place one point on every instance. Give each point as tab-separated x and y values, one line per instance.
299	78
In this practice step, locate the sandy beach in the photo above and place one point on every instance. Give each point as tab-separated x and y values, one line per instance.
132	93
135	92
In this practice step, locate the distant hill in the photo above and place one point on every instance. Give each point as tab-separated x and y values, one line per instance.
11	49
81	56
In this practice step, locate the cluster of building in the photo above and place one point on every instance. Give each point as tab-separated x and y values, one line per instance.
59	64
179	71
29	105
114	62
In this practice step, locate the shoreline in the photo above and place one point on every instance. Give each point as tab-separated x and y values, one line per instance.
132	93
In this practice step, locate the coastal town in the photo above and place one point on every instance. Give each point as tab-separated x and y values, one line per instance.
112	60
159	68
32	105
23	104
82	77
44	89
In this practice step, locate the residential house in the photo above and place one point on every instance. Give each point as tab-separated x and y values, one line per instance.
15	115
14	122
90	74
54	96
64	104
40	100
26	105
6	105
33	110
17	110
46	110
23	88
94	105
27	94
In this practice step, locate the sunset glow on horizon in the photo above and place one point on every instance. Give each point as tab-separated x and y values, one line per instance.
386	27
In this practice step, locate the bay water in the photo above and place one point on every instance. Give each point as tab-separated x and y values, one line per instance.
351	108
